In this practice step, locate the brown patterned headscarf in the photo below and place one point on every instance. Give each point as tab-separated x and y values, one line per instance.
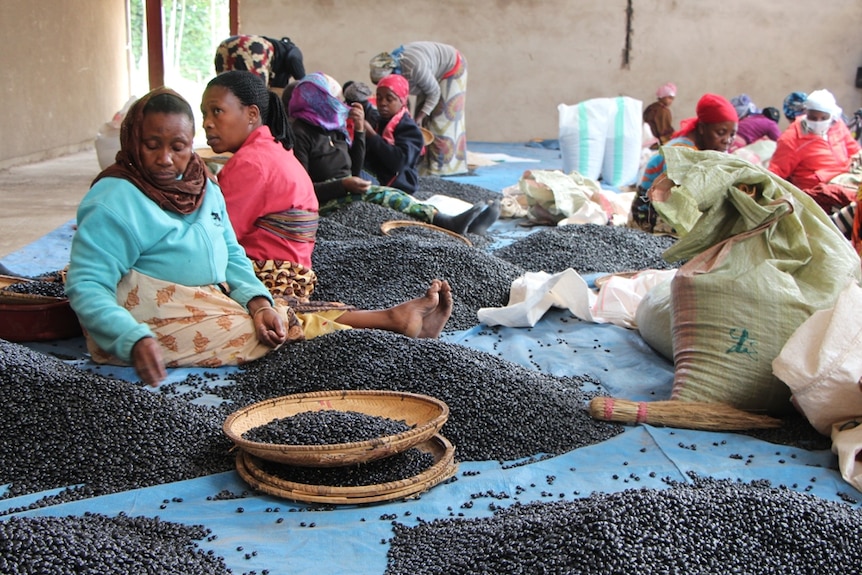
183	196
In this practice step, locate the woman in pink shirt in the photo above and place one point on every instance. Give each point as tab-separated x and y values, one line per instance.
270	197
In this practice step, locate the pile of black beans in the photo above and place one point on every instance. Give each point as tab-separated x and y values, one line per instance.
325	427
588	248
431	185
329	229
711	526
363	217
380	272
404	465
499	410
95	544
62	426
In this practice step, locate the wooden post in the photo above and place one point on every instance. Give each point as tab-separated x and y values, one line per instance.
155	48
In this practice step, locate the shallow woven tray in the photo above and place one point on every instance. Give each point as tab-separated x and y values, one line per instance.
444	467
14	298
387	227
426	415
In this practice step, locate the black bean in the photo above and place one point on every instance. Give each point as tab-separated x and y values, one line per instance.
710	526
324	427
95	544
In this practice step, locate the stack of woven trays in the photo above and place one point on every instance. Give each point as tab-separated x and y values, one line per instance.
423	414
30	317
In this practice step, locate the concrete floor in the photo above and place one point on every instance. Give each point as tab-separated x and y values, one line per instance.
38	198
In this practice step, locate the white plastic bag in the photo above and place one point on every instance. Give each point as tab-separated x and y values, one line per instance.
108	137
847	445
821	362
583	130
622	156
534	293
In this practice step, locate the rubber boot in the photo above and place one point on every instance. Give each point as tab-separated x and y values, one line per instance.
485	219
460	223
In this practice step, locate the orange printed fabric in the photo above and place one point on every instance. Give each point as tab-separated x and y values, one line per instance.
195	326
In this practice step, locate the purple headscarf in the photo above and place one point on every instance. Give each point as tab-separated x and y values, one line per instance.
313	102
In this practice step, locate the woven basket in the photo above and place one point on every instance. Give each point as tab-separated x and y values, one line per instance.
387	227
14	298
444	467
427	136
426	415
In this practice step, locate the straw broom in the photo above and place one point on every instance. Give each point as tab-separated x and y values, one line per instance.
684	414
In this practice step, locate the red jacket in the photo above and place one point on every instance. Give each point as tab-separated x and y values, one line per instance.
260	179
806	160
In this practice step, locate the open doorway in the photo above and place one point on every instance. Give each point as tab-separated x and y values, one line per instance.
191	31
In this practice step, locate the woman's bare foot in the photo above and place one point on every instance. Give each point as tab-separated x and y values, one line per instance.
425	316
420	317
434	322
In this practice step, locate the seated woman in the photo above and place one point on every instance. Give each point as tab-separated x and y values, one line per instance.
713	128
437	75
157	277
658	115
754	124
333	156
393	141
269	196
816	154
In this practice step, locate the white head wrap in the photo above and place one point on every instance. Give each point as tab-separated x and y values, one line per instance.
823	101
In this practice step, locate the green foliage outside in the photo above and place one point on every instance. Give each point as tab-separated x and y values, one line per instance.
192	31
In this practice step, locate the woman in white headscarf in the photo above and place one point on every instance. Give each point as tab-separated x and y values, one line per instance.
437	75
817	153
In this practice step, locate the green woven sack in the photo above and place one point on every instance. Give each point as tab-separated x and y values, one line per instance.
762	257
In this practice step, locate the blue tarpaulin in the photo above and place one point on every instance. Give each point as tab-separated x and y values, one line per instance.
284	537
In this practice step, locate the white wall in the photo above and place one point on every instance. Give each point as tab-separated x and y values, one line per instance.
64	73
527	56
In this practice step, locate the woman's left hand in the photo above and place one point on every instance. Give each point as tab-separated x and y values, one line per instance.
268	324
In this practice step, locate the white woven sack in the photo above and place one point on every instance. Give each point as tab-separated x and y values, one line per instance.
821	362
621	161
583	131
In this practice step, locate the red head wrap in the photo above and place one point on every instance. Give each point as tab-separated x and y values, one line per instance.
398	84
711	109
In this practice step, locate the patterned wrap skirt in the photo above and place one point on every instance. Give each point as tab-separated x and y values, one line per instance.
203	327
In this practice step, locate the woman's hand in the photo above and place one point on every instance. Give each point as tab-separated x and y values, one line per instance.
357	114
268	324
355	185
148	362
420	118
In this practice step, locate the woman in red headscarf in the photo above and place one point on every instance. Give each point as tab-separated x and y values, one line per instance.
394	142
713	128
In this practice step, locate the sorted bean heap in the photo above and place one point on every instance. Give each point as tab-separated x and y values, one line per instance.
43	288
95	544
328	229
498	410
712	526
62	426
431	185
380	272
325	427
398	467
364	217
588	248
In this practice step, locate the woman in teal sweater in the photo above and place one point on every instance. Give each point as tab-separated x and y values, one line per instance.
158	279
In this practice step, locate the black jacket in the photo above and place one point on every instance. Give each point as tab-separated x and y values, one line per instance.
396	165
286	63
